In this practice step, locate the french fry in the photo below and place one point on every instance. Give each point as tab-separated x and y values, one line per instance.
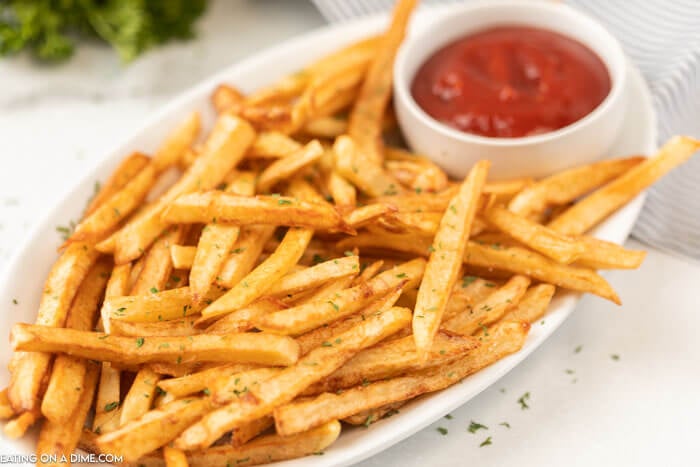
223	149
550	243
227	388
361	171
490	309
18	426
216	241
597	206
533	304
156	307
250	430
264	349
154	429
113	210
244	255
107	410
393	358
600	254
286	167
119	284
261	279
518	260
239	210
368	214
61	438
140	396
370	416
291	381
157	264
326	127
342	191
174	457
305	317
67	380
427	177
365	125
316	275
182	256
177	142
125	172
196	382
65	277
273	145
176	327
5	407
225	97
569	185
244	318
444	263
296	417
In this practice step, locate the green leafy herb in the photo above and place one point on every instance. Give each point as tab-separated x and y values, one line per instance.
523	401
505	424
111	406
442	430
449	416
615	357
578	348
14	300
486	442
474	427
283	202
466	280
139	341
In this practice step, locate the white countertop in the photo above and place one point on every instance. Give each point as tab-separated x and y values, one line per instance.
638	410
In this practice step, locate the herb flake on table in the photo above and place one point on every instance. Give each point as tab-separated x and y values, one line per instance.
442	430
486	442
474	427
523	401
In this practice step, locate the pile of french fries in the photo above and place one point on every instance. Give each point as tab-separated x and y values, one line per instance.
297	275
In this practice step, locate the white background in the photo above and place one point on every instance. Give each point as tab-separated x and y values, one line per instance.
640	410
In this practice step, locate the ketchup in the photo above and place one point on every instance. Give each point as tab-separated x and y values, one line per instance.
511	81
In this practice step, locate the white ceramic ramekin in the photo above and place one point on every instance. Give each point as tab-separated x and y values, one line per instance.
583	141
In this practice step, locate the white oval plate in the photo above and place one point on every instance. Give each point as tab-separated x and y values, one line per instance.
25	274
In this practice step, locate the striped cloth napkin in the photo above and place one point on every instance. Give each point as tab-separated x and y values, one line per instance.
663	38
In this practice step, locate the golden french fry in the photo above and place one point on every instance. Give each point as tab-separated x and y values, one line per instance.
305	317
239	210
250	430
600	254
225	97
365	125
157	264
326	127
502	339
342	191
223	149
265	349
154	429
65	385
227	388
123	174
528	263
119	284
28	369
201	380
283	387
490	309
316	275
177	142
182	256
243	319
597	206
287	166
550	243
174	457
156	307
533	304
18	426
569	185
444	263
244	255
429	177
216	241
140	396
107	410
6	410
367	214
361	171
176	327
261	279
273	145
367	417
61	438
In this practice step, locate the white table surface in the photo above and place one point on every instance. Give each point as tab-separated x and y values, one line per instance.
640	410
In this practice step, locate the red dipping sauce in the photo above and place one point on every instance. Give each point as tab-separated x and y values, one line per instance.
511	81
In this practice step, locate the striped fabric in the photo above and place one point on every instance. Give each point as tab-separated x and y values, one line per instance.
663	38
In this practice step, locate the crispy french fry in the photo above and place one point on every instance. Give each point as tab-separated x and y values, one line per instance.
243	319
174	457
154	429
157	264
140	396
361	171
223	149
18	426
123	174
291	381
284	168
316	275
528	263
326	127
503	339
365	125
600	254
428	178
6	410
182	256
444	263
107	410
370	416
156	307
66	382
119	284
216	241
261	279
227	388
201	380
225	97
239	210
569	185
65	277
305	317
550	243
244	255
273	145
533	304
342	191
367	214
597	206
176	327
265	349
61	438
490	309
250	430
